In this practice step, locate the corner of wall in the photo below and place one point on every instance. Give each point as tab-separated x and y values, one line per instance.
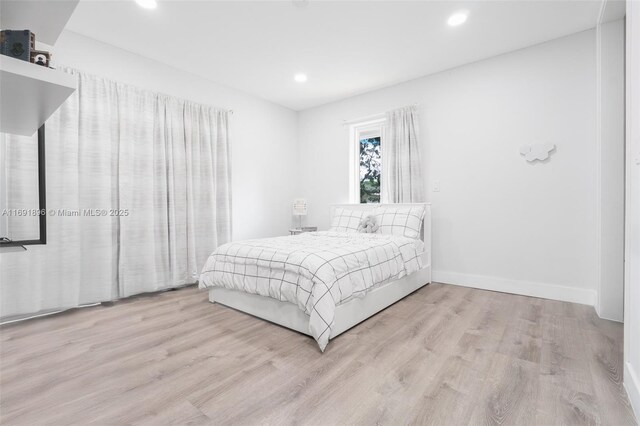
609	163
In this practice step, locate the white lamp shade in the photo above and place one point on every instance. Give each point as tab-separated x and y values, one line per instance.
300	207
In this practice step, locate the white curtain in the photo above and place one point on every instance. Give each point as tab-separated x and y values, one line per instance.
160	162
402	178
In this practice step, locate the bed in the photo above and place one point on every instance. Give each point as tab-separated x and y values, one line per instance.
323	283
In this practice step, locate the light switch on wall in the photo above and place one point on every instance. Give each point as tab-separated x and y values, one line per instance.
436	185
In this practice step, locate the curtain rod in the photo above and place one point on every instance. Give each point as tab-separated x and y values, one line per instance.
373	116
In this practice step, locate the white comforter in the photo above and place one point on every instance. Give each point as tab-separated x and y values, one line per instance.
316	271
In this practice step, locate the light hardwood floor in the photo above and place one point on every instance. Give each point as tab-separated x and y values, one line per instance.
445	355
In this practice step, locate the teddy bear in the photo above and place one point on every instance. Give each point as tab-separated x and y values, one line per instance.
368	225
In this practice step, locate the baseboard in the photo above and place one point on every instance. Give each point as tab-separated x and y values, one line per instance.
607	317
525	288
632	385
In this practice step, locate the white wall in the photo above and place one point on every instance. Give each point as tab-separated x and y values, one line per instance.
610	81
263	135
632	211
498	222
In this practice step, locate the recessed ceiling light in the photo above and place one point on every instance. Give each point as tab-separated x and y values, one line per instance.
300	78
147	4
458	18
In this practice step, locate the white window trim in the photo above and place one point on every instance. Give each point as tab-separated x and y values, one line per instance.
355	129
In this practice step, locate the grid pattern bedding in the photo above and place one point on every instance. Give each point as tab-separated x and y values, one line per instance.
316	271
347	220
391	219
405	221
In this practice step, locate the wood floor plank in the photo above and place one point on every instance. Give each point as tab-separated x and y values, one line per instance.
182	413
565	355
444	355
563	406
605	361
510	393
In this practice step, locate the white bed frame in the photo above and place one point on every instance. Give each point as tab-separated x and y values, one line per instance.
348	313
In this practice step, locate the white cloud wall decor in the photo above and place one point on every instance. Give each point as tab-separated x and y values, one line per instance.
537	151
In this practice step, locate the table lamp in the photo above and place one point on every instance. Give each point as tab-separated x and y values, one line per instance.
300	208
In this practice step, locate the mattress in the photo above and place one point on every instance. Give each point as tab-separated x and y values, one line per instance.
316	271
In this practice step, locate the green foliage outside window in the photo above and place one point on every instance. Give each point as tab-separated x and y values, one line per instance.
370	165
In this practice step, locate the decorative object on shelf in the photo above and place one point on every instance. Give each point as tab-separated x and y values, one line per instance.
368	225
40	57
17	44
300	208
298	231
537	151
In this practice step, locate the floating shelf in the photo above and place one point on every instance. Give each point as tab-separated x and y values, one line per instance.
29	94
45	18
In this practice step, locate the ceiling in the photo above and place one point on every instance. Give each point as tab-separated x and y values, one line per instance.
345	47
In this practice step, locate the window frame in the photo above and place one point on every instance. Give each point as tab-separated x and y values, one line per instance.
42	200
374	125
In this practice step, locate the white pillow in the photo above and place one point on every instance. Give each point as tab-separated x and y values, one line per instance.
346	220
403	221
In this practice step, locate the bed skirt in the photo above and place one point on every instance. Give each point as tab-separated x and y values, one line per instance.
347	314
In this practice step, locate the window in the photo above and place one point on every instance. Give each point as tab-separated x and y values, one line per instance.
370	164
367	139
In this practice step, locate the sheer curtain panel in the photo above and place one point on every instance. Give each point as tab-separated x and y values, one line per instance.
402	178
160	168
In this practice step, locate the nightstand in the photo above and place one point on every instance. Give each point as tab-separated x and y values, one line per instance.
303	230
